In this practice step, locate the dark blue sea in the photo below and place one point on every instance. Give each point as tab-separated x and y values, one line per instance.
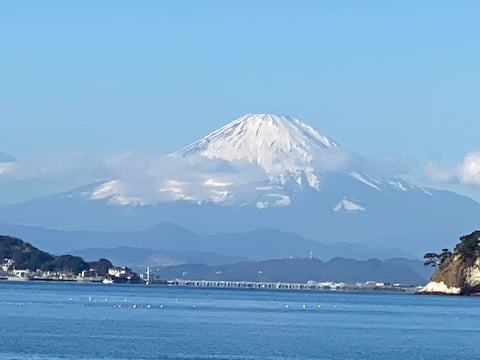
96	321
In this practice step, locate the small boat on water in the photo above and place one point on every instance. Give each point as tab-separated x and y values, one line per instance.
19	275
107	281
18	278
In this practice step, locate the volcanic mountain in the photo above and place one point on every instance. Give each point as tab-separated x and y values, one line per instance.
281	145
262	171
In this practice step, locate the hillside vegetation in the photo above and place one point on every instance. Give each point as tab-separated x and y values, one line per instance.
29	257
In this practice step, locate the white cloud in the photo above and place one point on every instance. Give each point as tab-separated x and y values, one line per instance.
74	165
469	169
137	176
439	173
386	166
332	159
158	177
466	172
6	168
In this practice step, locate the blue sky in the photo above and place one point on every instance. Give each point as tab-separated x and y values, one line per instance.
385	79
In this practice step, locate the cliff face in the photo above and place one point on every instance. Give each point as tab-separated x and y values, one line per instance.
455	276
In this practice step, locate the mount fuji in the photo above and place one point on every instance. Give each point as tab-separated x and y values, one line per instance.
282	146
263	171
257	159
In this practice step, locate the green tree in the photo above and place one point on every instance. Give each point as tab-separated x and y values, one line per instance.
444	255
468	245
431	259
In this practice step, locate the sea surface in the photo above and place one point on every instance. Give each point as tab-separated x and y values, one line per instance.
96	321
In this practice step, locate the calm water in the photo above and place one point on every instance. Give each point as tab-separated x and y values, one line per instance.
96	321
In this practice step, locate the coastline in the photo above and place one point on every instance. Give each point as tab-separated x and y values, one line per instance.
309	286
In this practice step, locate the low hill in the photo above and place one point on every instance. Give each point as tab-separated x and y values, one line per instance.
26	256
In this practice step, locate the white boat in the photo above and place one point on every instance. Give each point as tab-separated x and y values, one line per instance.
19	275
17	278
107	281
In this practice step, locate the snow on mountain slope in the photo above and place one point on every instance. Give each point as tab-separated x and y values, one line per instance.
348	205
372	183
115	193
282	146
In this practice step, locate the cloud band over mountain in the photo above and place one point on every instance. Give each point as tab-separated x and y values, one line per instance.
235	163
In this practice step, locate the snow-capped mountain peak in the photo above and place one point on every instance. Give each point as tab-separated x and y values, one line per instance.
281	145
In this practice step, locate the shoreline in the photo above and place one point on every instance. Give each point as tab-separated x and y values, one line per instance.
206	284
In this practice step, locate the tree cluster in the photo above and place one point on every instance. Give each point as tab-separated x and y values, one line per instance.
467	248
469	245
433	259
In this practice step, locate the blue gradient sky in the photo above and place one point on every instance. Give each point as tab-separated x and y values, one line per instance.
381	78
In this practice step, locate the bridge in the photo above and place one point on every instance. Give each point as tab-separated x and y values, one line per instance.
259	285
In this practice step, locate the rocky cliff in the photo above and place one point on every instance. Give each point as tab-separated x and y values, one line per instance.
458	273
455	276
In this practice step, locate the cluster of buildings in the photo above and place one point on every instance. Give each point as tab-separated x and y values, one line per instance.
115	274
8	270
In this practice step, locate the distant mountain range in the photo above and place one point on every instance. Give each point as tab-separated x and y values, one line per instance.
142	257
260	171
169	243
350	271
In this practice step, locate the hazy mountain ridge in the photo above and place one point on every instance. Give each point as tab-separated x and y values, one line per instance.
301	270
169	237
141	257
